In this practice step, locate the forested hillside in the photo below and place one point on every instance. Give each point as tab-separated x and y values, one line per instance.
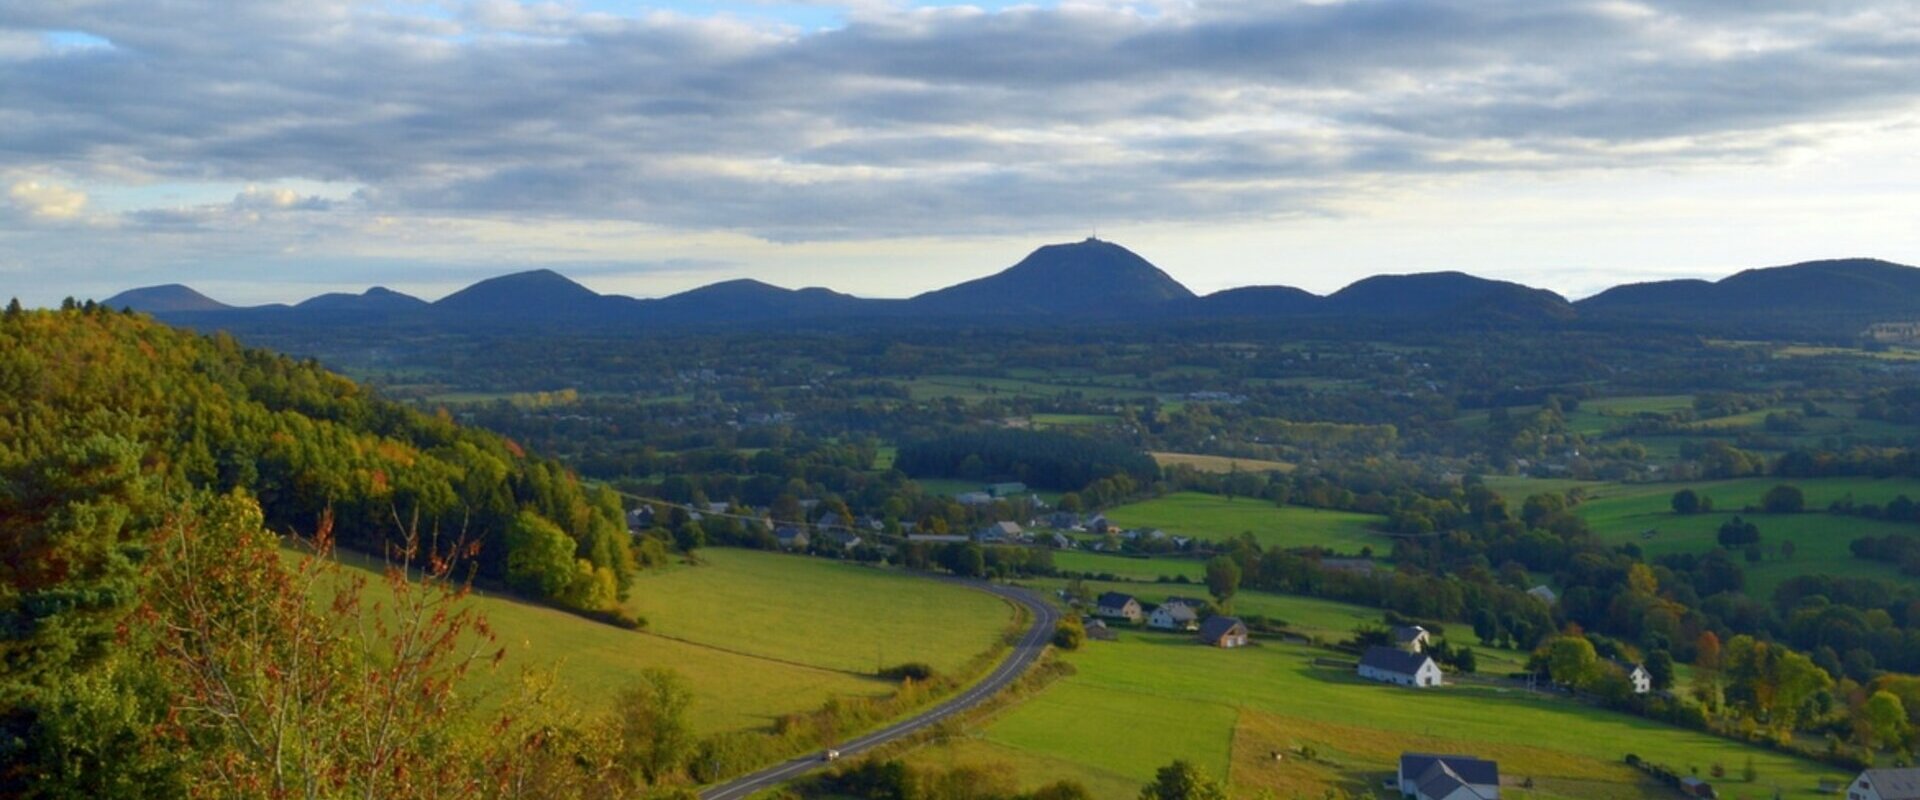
206	413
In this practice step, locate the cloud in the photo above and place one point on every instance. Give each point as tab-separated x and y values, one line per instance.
931	121
46	201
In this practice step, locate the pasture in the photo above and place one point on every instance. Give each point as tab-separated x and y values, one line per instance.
1136	704
819	613
1220	518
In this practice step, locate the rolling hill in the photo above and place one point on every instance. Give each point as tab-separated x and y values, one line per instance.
1091	276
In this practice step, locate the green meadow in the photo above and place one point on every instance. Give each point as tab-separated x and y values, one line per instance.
1136	704
744	637
1218	518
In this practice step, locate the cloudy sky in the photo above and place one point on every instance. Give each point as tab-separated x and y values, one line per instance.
266	151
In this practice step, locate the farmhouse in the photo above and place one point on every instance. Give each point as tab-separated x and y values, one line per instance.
1392	665
1638	675
790	537
1223	632
1000	532
1886	784
1171	616
1433	777
1061	541
1544	594
1117	605
1411	638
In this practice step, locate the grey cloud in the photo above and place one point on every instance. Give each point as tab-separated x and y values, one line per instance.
925	121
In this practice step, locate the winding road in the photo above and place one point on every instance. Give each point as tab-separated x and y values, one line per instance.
1024	653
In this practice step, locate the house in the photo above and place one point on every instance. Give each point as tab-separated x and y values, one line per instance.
1411	638
1097	629
790	537
1174	617
1000	532
1544	594
1062	542
1099	524
1638	675
1886	784
1063	520
1223	632
1396	666
1195	603
831	519
1005	489
1692	786
973	499
640	519
1436	777
1117	605
843	539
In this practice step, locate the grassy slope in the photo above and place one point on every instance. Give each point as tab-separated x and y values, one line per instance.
732	690
1141	702
1216	517
823	613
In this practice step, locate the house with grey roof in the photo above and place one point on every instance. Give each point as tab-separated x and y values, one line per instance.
1223	632
1544	594
1886	784
1424	776
1097	629
1399	667
790	537
1174	617
1000	532
1411	638
1117	605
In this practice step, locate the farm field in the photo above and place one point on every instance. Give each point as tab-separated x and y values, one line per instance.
1219	518
1220	464
592	660
783	607
1622	513
1146	569
1136	704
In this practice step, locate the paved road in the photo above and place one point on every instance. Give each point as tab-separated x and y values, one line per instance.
1031	644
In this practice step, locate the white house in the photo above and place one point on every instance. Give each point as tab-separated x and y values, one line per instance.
1544	594
1396	666
1886	784
1172	616
1411	638
1638	675
1117	605
1434	777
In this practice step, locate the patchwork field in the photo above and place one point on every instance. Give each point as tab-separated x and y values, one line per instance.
1218	518
1221	464
749	623
1147	699
1625	513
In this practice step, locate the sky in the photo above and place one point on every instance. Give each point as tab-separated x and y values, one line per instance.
268	151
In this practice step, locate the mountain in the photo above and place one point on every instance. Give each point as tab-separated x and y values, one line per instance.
540	294
172	298
747	300
1840	286
1446	293
1092	276
378	299
1256	301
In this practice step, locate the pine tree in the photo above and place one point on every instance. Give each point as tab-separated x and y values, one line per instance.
14	310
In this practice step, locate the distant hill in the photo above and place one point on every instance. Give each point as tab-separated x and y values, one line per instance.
171	298
540	294
1446	293
1256	301
1842	286
746	300
1092	276
377	299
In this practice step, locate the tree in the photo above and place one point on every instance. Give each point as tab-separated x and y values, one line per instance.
1686	501
1069	633
1181	780
13	308
1737	532
1571	660
655	736
1886	718
1784	499
1660	669
1062	790
1223	578
539	556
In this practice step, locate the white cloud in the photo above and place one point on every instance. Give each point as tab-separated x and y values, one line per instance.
46	200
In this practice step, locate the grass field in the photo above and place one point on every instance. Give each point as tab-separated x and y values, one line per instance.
1218	518
592	660
1071	420
1136	704
1620	513
819	613
1222	464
